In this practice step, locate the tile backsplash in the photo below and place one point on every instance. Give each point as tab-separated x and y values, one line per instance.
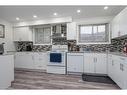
118	44
41	48
21	46
96	47
115	46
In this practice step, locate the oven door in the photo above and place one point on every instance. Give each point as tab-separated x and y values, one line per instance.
56	59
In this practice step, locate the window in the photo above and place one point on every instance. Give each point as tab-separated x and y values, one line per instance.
42	35
98	33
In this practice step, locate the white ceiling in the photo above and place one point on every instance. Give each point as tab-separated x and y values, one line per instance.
9	13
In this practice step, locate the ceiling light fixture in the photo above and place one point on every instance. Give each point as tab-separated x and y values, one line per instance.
55	14
34	16
78	11
106	7
17	18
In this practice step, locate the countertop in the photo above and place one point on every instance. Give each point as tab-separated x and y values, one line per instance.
29	51
114	53
118	53
6	54
85	52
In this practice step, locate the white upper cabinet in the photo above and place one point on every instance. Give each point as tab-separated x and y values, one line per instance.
119	24
123	22
115	27
71	31
22	34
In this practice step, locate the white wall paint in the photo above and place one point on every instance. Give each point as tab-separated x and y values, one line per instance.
44	21
8	40
96	20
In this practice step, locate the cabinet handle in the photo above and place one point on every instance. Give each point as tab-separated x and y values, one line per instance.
122	58
122	66
32	57
96	59
112	63
14	57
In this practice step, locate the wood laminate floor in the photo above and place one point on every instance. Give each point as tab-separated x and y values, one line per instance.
41	80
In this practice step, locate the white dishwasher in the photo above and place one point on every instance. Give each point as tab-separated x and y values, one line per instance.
75	62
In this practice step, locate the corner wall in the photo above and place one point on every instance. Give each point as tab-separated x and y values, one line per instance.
8	40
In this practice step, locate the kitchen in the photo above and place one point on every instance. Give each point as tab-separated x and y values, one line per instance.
63	47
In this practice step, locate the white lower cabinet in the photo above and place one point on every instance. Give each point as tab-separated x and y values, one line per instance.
89	63
6	70
110	66
95	63
24	60
30	60
117	70
101	63
40	60
75	62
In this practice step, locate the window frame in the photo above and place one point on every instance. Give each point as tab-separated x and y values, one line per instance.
78	34
38	26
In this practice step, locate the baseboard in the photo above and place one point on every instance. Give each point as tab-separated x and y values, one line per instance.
25	69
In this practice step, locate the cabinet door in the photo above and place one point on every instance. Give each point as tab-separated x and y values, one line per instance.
24	60
101	63
125	75
115	27
71	31
121	80
109	65
6	71
40	61
17	34
75	62
22	34
89	63
115	68
123	22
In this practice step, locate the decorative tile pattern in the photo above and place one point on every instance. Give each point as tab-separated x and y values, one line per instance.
96	47
115	46
42	47
21	46
118	44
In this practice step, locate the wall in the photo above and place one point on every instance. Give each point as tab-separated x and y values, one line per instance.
8	40
95	20
72	43
44	21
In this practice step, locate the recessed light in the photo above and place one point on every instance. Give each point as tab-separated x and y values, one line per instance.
55	14
78	11
17	18
34	16
106	7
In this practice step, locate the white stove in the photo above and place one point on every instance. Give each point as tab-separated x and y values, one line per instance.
57	59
